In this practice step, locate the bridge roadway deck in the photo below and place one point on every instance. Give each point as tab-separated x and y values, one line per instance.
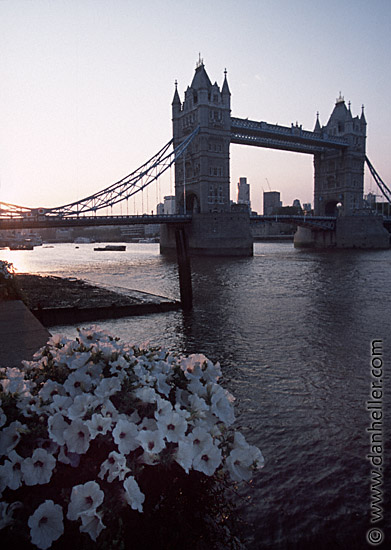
21	334
41	221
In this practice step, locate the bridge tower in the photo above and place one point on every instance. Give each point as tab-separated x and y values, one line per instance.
202	178
202	174
339	174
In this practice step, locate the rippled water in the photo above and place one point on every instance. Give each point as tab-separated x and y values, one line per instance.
292	330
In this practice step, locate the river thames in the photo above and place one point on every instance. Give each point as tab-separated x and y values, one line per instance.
293	331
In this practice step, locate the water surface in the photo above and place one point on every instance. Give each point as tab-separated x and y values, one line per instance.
292	330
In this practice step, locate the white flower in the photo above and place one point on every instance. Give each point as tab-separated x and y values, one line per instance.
193	363
133	494
200	437
107	387
148	424
207	460
29	404
198	405
10	436
91	523
60	403
125	436
185	454
84	498
151	441
212	372
108	410
197	387
77	382
49	389
78	360
222	405
161	384
163	407
119	366
46	524
56	428
242	461
98	424
172	425
37	469
107	349
77	437
115	466
146	394
80	406
12	470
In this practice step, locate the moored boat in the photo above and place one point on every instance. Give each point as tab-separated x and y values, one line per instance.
111	247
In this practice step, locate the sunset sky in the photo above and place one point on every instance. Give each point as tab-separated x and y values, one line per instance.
86	86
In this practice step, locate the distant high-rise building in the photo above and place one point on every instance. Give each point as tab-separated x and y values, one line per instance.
307	206
271	201
169	204
160	208
243	194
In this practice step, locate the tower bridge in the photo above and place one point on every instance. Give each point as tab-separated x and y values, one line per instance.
202	176
203	131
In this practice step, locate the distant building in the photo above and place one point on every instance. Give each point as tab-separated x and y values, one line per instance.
271	202
169	204
243	193
371	200
160	208
296	204
307	206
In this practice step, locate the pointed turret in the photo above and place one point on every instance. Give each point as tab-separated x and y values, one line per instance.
225	88
362	117
176	100
201	79
225	92
317	128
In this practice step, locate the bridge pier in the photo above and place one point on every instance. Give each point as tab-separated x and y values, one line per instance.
213	234
351	232
184	270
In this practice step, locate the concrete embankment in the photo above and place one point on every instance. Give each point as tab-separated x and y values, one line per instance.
21	334
53	301
57	300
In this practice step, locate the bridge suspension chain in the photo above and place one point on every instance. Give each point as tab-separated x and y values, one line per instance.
380	183
119	191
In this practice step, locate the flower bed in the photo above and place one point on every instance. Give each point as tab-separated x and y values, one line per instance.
107	445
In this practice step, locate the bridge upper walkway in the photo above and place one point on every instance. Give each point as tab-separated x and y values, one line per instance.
274	136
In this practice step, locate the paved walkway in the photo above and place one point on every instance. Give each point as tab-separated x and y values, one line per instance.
21	334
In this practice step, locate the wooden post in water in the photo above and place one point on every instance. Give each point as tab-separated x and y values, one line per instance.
183	259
